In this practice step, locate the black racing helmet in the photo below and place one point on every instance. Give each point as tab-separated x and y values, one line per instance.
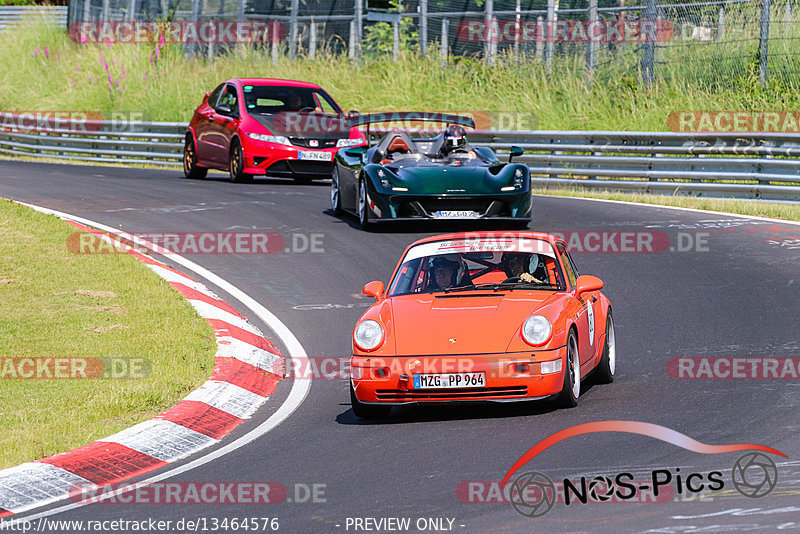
455	138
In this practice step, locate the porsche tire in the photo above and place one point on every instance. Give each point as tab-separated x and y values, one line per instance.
572	375
608	361
236	164
190	168
367	411
336	193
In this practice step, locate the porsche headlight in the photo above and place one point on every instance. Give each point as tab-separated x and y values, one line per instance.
281	140
368	335
536	329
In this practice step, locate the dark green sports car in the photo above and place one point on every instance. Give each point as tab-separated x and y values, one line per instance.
443	177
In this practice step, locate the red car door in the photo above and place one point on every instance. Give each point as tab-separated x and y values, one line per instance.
203	131
225	124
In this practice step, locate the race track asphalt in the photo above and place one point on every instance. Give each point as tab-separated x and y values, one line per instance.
737	296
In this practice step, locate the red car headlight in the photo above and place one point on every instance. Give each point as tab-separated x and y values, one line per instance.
279	139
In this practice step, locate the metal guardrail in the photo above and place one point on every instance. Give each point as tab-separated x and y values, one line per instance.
10	15
742	165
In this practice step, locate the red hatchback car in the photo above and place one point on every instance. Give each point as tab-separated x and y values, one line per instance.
261	126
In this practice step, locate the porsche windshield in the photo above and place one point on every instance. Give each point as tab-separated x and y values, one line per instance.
501	264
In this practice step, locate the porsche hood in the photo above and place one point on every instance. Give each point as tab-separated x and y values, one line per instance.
453	323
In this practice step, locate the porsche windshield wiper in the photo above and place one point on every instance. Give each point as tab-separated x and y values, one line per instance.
524	285
469	288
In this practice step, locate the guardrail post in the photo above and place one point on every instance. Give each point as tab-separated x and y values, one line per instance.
591	45
539	39
552	17
423	27
649	56
359	30
293	29
87	10
312	40
488	33
517	28
445	24
351	48
275	45
763	42
396	39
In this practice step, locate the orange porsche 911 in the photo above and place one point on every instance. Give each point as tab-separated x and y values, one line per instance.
485	316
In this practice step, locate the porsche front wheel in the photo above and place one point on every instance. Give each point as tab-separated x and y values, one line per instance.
572	375
190	168
367	411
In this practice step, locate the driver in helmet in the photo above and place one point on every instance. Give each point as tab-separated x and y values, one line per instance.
446	272
455	142
516	265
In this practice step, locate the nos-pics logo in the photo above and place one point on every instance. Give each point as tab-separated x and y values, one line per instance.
533	494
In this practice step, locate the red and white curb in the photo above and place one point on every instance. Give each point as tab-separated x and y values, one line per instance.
247	368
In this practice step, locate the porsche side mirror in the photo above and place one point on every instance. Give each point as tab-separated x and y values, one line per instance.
586	283
374	289
514	152
355	152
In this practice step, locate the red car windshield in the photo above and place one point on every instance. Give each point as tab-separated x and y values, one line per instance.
270	99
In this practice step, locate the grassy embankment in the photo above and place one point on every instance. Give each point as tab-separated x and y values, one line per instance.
57	304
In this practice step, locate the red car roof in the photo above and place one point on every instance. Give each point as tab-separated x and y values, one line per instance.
275	81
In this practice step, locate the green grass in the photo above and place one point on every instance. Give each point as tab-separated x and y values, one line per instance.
73	77
54	303
789	212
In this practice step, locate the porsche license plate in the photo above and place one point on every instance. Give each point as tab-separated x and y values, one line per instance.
449	380
459	214
315	156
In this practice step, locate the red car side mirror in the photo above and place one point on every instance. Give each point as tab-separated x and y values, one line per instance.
374	289
586	283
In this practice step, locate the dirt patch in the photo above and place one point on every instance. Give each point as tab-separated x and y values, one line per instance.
90	293
103	329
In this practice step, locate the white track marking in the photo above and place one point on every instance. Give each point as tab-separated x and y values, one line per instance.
695	210
228	397
148	438
51	484
297	395
209	311
230	347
